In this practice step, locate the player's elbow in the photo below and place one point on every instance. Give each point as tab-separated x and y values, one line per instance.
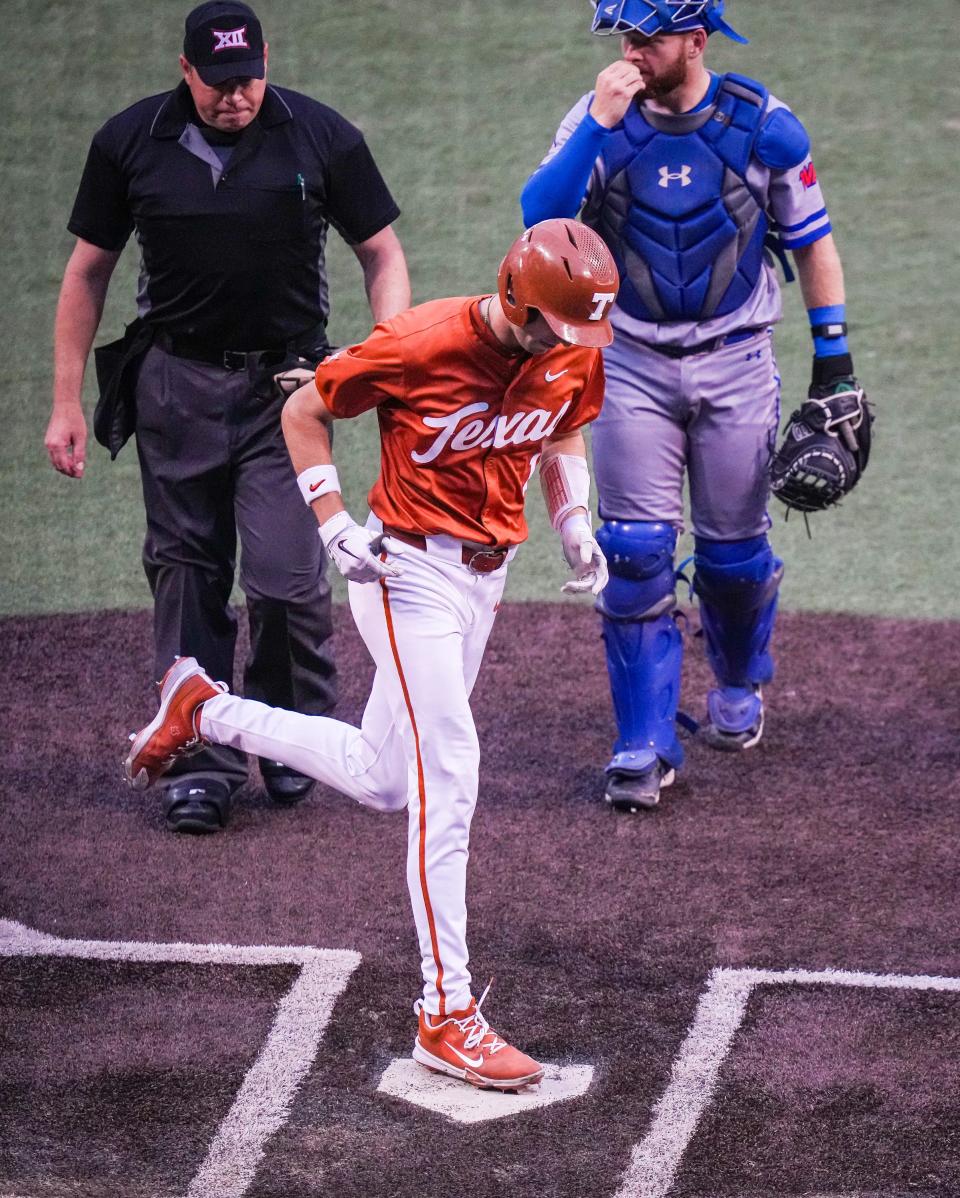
304	406
567	443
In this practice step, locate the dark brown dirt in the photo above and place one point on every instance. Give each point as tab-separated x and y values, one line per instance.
833	844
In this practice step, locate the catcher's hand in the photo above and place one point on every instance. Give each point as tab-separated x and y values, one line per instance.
825	447
584	556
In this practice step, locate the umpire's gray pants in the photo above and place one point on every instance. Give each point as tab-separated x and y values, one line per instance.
213	462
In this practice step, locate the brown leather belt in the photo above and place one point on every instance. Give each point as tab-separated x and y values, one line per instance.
479	561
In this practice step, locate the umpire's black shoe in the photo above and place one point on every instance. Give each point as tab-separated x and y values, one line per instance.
198	805
284	785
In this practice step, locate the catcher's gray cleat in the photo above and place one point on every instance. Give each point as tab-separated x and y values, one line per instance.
734	718
638	790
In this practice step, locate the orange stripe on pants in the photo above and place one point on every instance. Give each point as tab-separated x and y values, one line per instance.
421	789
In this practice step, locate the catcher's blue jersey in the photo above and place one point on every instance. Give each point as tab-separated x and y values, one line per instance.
686	203
677	207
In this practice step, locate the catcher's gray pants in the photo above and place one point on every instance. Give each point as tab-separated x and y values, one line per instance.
714	414
213	462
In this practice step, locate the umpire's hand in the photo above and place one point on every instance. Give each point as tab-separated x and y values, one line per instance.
66	441
288	381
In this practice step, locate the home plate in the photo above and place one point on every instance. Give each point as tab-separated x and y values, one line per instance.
458	1100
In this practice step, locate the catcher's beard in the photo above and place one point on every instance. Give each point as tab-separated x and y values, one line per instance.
657	86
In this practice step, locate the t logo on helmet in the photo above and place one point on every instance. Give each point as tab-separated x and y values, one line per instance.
603	299
556	270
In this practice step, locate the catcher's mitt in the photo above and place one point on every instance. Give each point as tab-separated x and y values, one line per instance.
825	447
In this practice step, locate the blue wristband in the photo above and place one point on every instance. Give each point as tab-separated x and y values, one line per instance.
828	327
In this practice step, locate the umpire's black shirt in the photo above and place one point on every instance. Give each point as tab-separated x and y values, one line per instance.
232	237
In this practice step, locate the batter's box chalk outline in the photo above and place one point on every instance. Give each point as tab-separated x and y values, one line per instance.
448	1096
263	1101
693	1077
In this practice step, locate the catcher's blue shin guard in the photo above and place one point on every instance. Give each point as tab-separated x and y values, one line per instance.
644	647
737	583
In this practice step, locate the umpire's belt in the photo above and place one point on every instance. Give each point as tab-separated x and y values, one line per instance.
705	347
233	359
477	559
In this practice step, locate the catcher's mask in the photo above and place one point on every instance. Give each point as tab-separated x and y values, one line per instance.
650	17
564	271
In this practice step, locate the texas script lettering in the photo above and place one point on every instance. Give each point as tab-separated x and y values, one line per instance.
463	429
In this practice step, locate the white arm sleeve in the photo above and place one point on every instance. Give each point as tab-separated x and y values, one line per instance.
565	479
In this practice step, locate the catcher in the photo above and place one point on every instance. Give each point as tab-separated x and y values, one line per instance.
697	180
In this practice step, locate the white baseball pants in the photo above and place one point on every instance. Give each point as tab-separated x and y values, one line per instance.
417	744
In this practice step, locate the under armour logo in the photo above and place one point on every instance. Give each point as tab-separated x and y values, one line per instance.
230	39
683	174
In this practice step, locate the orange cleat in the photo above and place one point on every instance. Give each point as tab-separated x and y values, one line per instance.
174	730
462	1044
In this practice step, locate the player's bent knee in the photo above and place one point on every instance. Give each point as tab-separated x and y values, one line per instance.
386	800
640	560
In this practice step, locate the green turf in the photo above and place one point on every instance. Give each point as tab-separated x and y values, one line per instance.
459	102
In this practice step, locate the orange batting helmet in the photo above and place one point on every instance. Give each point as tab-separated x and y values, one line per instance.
564	271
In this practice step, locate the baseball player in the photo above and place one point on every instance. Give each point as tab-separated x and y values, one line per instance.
688	175
470	394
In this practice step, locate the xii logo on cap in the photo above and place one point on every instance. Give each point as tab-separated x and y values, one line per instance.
230	39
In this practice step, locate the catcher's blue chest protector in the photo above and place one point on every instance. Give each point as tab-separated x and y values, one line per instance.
676	209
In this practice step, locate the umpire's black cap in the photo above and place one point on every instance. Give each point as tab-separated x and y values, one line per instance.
223	40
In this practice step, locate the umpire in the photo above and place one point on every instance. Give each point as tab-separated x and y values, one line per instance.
230	185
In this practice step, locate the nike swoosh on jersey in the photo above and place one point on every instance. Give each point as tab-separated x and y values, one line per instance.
476	1062
551	377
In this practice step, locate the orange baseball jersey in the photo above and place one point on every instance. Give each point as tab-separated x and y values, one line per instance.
462	421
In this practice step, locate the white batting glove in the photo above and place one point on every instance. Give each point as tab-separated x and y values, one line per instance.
584	556
354	550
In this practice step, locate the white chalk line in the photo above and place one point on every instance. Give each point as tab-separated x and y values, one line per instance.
655	1160
263	1101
